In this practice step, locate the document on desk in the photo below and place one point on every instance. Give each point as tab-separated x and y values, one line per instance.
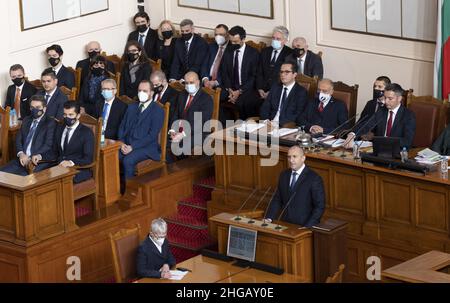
282	132
250	127
177	275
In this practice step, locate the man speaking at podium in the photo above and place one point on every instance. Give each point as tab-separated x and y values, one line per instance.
300	196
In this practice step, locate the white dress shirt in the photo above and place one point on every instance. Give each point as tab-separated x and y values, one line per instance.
110	103
144	35
240	58
57	68
301	63
289	89
50	94
299	173
395	111
74	127
159	247
189	42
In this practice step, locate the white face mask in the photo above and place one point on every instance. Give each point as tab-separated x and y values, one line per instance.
220	40
191	89
324	97
160	241
143	97
276	44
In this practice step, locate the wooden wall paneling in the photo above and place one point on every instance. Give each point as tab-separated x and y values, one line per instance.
348	191
431	208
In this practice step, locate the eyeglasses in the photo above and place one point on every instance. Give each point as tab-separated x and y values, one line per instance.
285	72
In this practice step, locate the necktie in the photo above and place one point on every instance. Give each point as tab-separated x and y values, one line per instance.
216	64
66	139
321	108
141	40
30	134
141	108
236	78
159	97
105	111
283	98
186	59
17	102
293	181
389	124
186	108
301	66
47	98
274	59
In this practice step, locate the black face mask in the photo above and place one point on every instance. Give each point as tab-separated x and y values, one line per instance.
93	54
158	89
299	52
167	35
234	47
142	28
132	57
377	94
97	71
186	37
69	122
18	81
54	61
36	113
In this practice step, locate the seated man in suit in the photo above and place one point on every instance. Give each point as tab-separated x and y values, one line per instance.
74	143
393	120
324	114
93	50
211	66
34	139
308	63
19	94
300	195
163	92
65	77
53	95
271	59
112	110
442	143
194	109
154	258
144	35
190	52
377	102
286	100
139	131
239	69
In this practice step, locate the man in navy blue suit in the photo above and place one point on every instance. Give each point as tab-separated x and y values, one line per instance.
154	259
74	143
139	131
65	77
287	100
324	114
377	102
53	95
190	52
300	193
34	139
309	63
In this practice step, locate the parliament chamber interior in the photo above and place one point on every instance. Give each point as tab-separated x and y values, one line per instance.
238	141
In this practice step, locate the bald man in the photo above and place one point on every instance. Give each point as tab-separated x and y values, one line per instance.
302	188
308	62
93	49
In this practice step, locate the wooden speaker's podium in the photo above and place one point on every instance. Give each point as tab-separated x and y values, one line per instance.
285	246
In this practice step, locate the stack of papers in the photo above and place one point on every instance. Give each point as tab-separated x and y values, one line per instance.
334	144
427	156
364	144
250	127
282	132
177	275
323	139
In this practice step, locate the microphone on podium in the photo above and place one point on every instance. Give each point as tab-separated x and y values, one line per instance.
259	202
238	218
342	125
284	209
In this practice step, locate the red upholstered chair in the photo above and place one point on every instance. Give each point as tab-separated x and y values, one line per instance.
347	94
4	131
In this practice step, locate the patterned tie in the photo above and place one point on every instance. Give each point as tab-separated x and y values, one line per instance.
274	58
141	40
389	124
30	134
321	108
17	101
216	65
236	78
293	181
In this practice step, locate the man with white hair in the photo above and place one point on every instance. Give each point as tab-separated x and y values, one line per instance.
309	63
93	49
271	59
154	259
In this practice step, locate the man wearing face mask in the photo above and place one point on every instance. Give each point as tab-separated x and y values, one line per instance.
111	109
93	49
154	259
144	34
377	102
73	144
308	62
34	139
65	77
211	69
271	59
190	52
163	92
139	131
19	94
325	113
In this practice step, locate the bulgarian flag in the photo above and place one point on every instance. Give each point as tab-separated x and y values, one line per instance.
442	60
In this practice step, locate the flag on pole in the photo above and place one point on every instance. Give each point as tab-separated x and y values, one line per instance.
442	59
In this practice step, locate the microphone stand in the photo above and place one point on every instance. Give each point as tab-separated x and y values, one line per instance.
287	205
259	202
238	218
267	208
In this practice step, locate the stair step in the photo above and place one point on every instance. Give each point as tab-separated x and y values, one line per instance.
194	202
192	223
189	244
199	214
208	182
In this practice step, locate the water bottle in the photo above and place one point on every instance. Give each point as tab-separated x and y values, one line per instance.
13	117
404	155
444	165
356	151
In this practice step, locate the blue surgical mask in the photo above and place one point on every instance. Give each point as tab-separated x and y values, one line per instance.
276	44
107	94
191	89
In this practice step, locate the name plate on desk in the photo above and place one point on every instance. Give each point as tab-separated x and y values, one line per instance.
259	223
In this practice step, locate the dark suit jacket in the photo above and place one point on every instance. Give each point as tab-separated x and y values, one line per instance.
248	69
116	115
313	64
86	101
306	207
150	42
131	89
65	78
141	130
202	103
294	105
369	110
55	106
442	143
171	96
166	54
334	114
28	91
43	137
269	75
80	150
149	260
84	65
213	49
404	126
198	52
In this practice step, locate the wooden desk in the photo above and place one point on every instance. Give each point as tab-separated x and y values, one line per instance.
423	269
12	153
257	276
109	178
